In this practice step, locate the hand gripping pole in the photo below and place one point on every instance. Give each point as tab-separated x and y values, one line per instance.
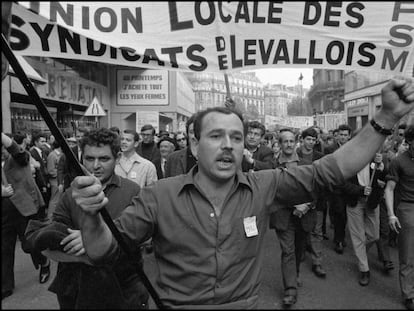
37	101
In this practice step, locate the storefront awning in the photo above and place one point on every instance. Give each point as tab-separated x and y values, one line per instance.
29	70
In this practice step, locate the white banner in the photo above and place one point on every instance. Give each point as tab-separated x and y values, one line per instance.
221	36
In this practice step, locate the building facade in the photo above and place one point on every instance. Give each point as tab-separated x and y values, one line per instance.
66	91
327	91
362	97
245	89
68	87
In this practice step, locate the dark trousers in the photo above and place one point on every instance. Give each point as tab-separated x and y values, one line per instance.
382	244
337	207
13	225
292	242
405	214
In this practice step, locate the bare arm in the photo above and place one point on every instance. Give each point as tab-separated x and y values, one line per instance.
397	100
393	221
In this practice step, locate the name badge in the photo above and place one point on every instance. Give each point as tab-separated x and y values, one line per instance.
250	227
134	175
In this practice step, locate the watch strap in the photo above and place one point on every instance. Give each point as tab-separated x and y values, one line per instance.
381	129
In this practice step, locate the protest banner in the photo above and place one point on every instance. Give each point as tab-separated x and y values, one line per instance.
221	36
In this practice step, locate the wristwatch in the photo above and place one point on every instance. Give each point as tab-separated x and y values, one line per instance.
381	129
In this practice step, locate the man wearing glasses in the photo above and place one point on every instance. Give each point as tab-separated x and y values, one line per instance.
256	156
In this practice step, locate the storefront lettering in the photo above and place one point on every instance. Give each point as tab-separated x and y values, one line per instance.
71	89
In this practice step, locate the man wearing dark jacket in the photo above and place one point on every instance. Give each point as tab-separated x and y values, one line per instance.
336	201
39	153
181	161
307	154
256	155
147	148
79	285
20	202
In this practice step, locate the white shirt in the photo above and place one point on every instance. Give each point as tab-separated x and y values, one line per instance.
137	169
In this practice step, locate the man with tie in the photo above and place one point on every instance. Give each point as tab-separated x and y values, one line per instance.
39	153
166	146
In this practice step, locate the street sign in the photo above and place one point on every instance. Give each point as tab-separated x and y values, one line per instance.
95	109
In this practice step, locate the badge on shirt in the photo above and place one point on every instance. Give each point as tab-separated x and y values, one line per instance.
250	226
134	175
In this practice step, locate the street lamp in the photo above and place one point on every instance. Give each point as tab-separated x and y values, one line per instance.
301	91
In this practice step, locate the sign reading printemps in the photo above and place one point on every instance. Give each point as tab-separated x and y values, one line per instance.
142	87
147	117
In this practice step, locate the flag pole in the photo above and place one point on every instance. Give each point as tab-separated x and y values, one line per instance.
229	101
38	102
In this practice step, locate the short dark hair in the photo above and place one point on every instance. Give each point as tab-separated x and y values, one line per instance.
55	144
189	122
402	126
335	131
310	131
409	133
133	133
269	136
147	127
36	136
19	137
100	137
345	127
256	125
225	110
115	129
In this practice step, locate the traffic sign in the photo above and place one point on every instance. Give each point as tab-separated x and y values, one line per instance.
95	109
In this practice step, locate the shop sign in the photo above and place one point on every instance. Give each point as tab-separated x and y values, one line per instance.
358	111
358	101
142	87
64	87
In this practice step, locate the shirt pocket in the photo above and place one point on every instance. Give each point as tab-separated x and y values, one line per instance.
248	247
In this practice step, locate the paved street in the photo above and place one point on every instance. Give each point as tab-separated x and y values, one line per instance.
340	290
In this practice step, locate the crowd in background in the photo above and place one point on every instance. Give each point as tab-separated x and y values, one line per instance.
149	156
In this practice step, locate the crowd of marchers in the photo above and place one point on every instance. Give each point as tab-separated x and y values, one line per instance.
201	200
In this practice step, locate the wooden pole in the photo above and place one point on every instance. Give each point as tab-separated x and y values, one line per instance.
41	107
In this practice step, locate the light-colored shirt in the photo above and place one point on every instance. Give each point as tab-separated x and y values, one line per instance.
52	162
137	169
203	259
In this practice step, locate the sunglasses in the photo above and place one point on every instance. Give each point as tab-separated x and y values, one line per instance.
181	139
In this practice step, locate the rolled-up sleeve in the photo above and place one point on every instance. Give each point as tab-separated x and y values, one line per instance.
393	173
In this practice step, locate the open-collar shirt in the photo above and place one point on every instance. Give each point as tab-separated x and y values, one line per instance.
137	169
205	259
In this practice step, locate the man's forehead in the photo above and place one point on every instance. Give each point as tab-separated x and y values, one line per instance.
211	120
127	135
97	150
287	135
